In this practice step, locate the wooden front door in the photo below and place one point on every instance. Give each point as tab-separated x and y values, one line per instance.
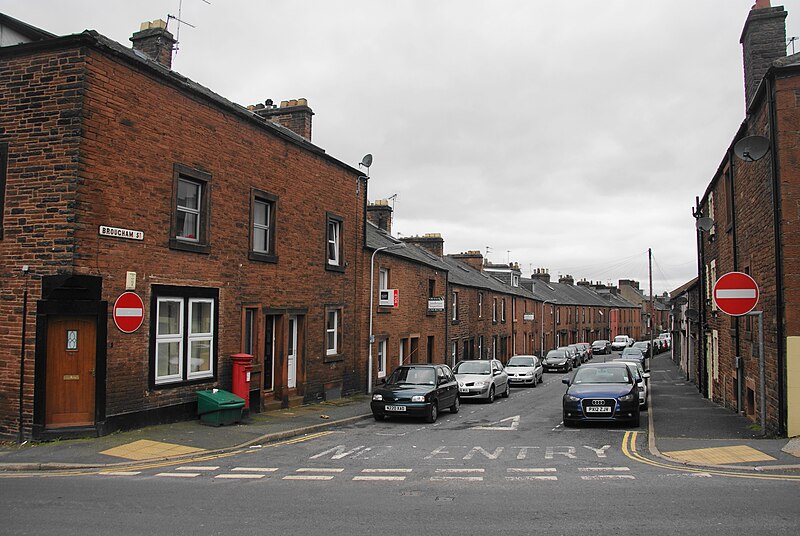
71	358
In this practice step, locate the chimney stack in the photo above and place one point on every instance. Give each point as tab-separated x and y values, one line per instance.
155	41
380	214
293	114
472	258
763	41
541	274
432	242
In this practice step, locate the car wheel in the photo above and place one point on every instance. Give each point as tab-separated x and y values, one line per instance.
490	398
456	405
434	412
536	380
378	416
507	392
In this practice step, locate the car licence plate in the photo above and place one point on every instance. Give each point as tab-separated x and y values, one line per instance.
395	408
463	389
598	409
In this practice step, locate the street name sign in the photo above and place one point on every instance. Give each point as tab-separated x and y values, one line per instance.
736	293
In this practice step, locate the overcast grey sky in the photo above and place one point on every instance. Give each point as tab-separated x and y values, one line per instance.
567	135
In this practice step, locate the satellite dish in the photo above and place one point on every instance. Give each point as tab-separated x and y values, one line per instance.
705	224
692	315
366	161
751	148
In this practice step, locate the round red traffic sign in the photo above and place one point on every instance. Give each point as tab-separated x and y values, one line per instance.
736	293
128	312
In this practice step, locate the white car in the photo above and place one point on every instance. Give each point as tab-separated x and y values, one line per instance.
638	372
481	378
524	370
621	342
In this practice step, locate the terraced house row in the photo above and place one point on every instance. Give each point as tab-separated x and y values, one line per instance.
120	178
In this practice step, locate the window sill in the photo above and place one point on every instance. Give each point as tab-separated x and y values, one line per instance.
334	268
192	247
263	257
333	358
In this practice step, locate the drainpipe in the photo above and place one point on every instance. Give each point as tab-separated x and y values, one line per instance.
777	230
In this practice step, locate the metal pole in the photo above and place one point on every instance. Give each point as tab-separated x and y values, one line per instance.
20	435
652	310
762	372
371	293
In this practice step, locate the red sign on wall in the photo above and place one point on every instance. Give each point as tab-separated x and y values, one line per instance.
128	312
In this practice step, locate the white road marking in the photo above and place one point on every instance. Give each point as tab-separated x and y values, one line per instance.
255	469
460	470
120	473
379	478
197	468
463	478
529	477
513	426
599	469
320	470
531	469
308	477
243	475
179	475
609	477
386	470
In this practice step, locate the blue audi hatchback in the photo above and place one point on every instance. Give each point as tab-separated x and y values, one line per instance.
601	392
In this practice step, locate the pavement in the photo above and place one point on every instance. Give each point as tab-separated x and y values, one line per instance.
683	428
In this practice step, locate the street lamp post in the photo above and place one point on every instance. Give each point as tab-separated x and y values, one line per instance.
371	296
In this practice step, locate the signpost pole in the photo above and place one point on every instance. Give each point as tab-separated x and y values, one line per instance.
762	381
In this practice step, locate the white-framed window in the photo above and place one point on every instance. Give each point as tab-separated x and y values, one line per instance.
480	347
712	283
383	278
191	217
454	306
184	337
200	337
169	340
711	213
332	329
262	225
503	310
494	309
333	243
480	304
454	352
382	346
188	210
514	280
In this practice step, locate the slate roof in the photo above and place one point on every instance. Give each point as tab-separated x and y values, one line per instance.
378	238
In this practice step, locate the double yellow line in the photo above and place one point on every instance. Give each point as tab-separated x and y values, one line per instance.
630	451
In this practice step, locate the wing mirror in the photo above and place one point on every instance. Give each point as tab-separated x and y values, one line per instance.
565	381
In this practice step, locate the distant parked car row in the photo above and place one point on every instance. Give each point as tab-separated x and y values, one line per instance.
424	390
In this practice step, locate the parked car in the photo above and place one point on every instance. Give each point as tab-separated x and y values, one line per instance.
587	348
644	346
633	353
418	390
573	355
581	352
559	359
601	346
638	373
524	370
601	392
621	342
481	378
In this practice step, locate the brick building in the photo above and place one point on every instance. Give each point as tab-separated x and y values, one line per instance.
750	225
238	234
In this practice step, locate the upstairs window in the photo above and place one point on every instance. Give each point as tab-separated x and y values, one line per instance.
333	243
191	215
262	226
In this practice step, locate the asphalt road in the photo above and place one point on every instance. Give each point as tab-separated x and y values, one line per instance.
509	467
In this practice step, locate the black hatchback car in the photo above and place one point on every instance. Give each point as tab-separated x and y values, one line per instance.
418	390
601	392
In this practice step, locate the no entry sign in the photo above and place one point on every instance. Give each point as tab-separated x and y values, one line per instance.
128	312
736	293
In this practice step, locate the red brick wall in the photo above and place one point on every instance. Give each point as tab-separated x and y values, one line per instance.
133	129
40	121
